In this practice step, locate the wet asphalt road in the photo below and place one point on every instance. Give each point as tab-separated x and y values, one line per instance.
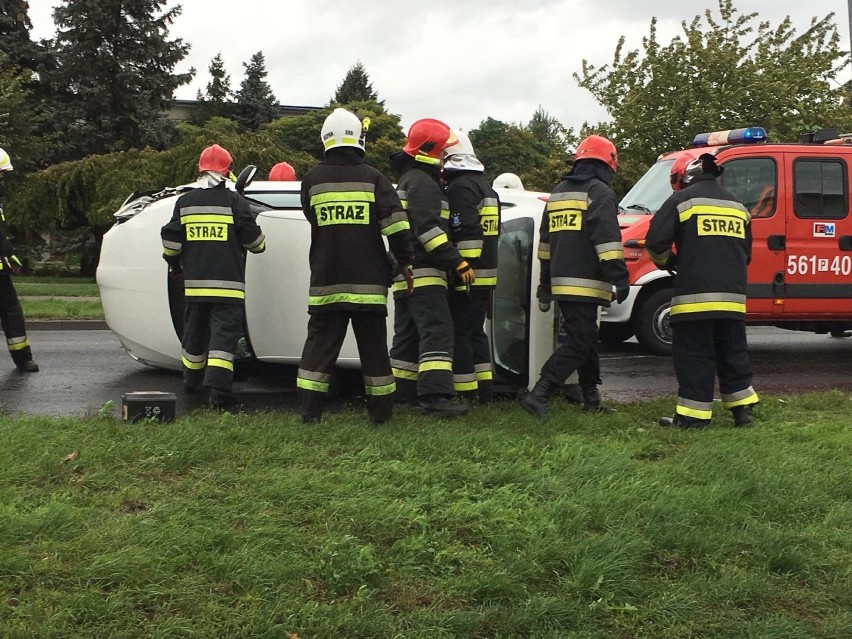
83	370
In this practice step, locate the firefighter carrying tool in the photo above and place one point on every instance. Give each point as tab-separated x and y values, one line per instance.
350	206
204	241
711	231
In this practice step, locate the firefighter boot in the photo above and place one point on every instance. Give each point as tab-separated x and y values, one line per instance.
441	406
681	421
592	401
27	366
222	401
742	416
573	394
535	402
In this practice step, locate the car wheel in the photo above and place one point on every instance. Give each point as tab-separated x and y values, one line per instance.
615	332
652	323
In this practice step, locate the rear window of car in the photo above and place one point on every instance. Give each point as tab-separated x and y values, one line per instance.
277	199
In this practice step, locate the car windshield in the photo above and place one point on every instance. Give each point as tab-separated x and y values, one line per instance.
649	193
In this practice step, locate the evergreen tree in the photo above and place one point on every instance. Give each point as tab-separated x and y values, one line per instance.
216	101
356	87
116	70
15	39
256	104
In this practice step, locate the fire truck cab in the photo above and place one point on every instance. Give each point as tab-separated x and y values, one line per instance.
800	276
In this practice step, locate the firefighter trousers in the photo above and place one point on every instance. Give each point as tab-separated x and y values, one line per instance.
210	335
12	319
422	350
472	369
703	349
326	332
579	351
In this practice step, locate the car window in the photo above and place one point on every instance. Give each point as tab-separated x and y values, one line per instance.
820	188
754	181
652	189
277	199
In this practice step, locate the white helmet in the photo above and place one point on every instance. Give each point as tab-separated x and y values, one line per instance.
460	156
5	161
342	128
508	181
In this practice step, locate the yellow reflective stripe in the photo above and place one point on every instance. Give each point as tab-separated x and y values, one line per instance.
581	291
18	346
472	253
435	365
384	389
396	228
260	248
214	292
713	210
703	307
310	385
426	159
461	387
220	363
484	281
562	205
435	242
484	376
195	366
611	255
170	252
421	281
751	399
694	412
342	196
404	374
351	298
199	218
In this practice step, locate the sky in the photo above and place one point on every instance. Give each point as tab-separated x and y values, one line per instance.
460	61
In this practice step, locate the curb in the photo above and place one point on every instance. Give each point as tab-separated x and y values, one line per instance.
67	325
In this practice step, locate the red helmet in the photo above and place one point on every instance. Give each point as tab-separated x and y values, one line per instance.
282	172
685	169
215	158
677	170
428	138
596	147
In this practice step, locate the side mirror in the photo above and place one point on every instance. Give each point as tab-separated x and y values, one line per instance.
245	177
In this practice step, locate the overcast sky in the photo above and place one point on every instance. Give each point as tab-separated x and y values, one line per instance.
456	60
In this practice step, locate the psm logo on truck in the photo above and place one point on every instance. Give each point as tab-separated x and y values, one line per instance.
824	229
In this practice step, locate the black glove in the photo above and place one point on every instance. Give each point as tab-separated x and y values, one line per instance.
671	263
545	297
621	293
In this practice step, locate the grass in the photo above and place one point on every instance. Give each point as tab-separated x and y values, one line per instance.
498	525
62	309
56	286
53	297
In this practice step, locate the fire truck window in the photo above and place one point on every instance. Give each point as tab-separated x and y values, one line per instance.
753	181
820	189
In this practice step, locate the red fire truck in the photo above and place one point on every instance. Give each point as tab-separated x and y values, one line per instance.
800	276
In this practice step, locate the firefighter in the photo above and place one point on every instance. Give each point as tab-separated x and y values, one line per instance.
282	172
422	349
205	240
351	206
11	313
508	181
474	226
711	231
582	259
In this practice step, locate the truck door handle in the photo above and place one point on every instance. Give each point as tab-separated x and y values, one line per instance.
845	242
776	242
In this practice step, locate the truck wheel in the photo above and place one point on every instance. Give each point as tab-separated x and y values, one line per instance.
615	332
652	323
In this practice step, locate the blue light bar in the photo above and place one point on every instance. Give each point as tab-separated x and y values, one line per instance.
749	135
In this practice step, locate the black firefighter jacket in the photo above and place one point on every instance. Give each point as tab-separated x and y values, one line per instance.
711	231
351	206
474	223
209	230
429	216
580	248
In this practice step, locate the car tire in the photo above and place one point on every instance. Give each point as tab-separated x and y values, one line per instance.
652	323
615	332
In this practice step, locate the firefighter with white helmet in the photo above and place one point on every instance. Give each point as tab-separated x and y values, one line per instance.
11	313
711	230
474	228
582	260
508	181
422	349
205	240
351	207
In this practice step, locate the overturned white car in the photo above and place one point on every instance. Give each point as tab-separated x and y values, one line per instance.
144	307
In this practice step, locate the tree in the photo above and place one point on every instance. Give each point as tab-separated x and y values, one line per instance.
356	87
115	69
17	133
216	100
256	104
15	39
726	74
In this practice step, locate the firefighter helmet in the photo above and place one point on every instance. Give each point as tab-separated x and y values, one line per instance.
5	161
460	156
596	147
282	172
508	181
427	139
342	128
685	169
216	159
